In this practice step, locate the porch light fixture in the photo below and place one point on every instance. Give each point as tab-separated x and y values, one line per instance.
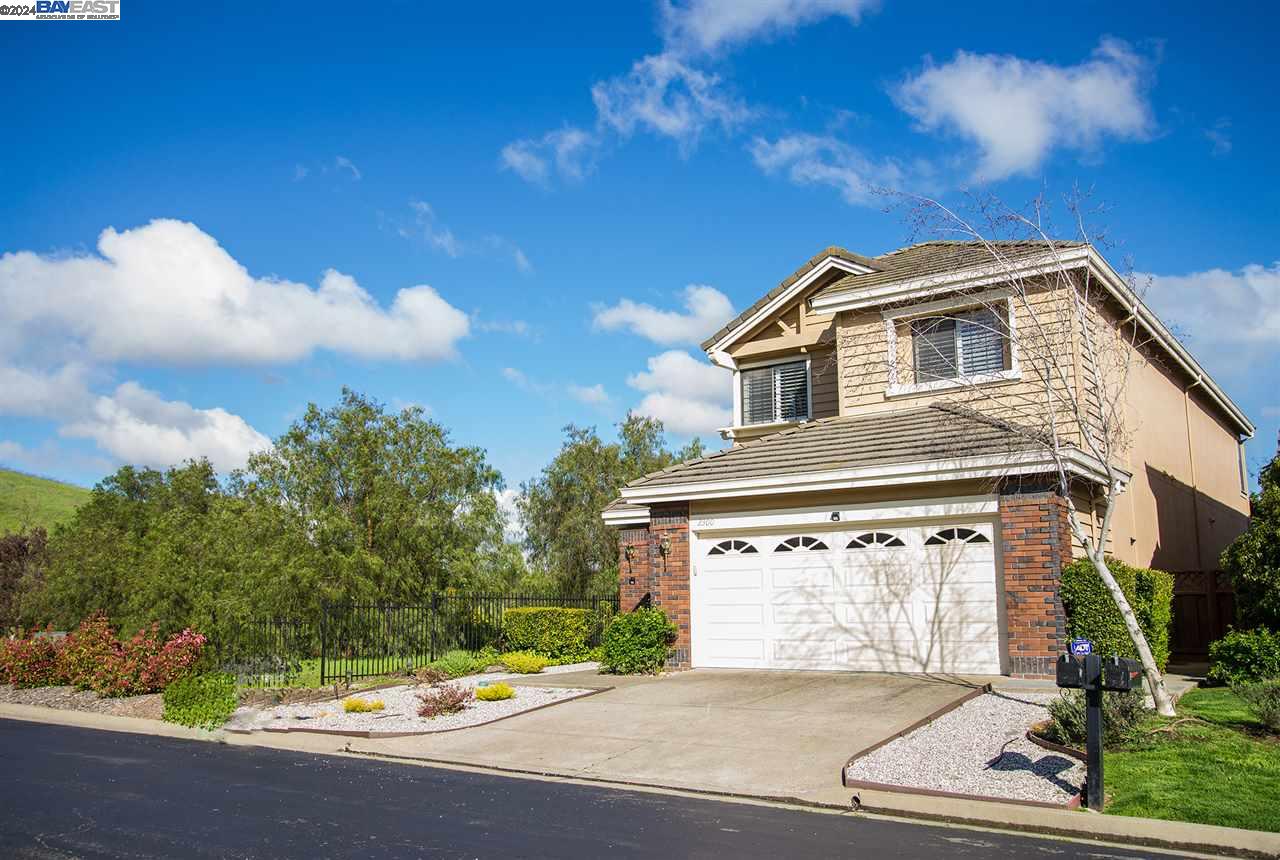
664	546
835	516
628	551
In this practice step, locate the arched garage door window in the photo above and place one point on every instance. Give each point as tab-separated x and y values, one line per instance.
875	540
947	536
800	543
732	547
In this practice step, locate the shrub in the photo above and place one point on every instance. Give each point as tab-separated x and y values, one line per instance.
202	701
1245	655
1263	699
1093	615
637	642
1253	559
1121	714
552	631
31	662
495	692
87	648
355	705
524	662
456	664
443	699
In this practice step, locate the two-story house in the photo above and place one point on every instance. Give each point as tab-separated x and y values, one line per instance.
867	518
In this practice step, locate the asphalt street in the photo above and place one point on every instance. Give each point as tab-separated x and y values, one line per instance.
71	792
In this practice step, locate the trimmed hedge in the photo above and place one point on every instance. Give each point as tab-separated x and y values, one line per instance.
1244	656
1093	615
203	701
552	631
637	642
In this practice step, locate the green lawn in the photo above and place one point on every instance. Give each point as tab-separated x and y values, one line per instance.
1224	770
26	501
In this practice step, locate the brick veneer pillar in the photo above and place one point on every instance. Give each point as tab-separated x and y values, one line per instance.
659	568
1036	542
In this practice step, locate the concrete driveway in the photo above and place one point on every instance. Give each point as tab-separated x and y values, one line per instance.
760	733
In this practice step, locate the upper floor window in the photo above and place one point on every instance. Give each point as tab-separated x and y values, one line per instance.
779	392
958	345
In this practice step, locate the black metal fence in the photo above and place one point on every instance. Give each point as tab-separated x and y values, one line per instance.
348	641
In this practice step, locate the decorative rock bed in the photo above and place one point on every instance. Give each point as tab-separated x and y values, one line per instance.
149	707
400	714
978	750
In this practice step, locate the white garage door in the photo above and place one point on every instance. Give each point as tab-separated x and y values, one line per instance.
906	599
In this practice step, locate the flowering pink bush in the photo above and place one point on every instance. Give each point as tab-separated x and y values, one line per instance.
30	662
87	648
145	664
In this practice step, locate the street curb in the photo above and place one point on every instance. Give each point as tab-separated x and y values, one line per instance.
1090	827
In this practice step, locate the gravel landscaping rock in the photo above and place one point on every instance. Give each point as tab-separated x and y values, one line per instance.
978	749
401	711
150	706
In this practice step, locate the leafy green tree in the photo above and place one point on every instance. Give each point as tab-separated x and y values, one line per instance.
390	509
569	547
1253	559
24	556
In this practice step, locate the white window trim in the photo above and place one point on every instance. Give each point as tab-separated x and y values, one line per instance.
1244	471
896	388
738	422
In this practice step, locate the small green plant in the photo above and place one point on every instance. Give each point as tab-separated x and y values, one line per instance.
1243	656
202	701
1121	714
443	699
1263	700
456	664
524	662
637	642
355	705
495	692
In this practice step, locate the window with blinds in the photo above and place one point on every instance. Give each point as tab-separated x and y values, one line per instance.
969	343
779	392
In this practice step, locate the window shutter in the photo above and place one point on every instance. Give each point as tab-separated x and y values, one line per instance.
981	342
933	342
757	396
793	391
779	392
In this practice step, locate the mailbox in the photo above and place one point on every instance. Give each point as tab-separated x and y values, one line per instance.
1116	676
1070	672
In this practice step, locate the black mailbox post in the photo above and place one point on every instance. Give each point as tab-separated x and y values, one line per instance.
1094	675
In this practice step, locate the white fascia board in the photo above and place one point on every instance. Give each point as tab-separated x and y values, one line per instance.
626	518
716	352
849	516
978	276
1120	289
959	469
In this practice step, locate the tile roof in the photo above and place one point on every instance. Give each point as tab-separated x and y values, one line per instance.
832	251
940	431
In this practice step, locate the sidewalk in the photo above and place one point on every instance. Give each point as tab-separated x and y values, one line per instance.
1222	841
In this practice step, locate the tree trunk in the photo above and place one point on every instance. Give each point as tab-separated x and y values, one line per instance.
1159	695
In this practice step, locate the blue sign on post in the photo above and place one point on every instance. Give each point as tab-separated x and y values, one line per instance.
1081	647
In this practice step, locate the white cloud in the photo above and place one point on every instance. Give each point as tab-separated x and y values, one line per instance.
808	159
706	310
571	151
707	25
514	528
592	395
664	95
688	396
48	457
344	163
138	426
436	234
1230	320
169	292
1016	111
427	227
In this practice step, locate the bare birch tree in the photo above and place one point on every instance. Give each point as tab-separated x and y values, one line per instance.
1073	345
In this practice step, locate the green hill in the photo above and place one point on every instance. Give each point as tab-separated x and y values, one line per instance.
28	500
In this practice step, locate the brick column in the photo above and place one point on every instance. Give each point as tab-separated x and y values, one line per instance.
669	562
1036	542
635	574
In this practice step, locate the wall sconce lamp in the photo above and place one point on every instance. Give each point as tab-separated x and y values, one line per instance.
628	552
664	546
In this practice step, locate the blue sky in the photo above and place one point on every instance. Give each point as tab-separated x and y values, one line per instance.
498	213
